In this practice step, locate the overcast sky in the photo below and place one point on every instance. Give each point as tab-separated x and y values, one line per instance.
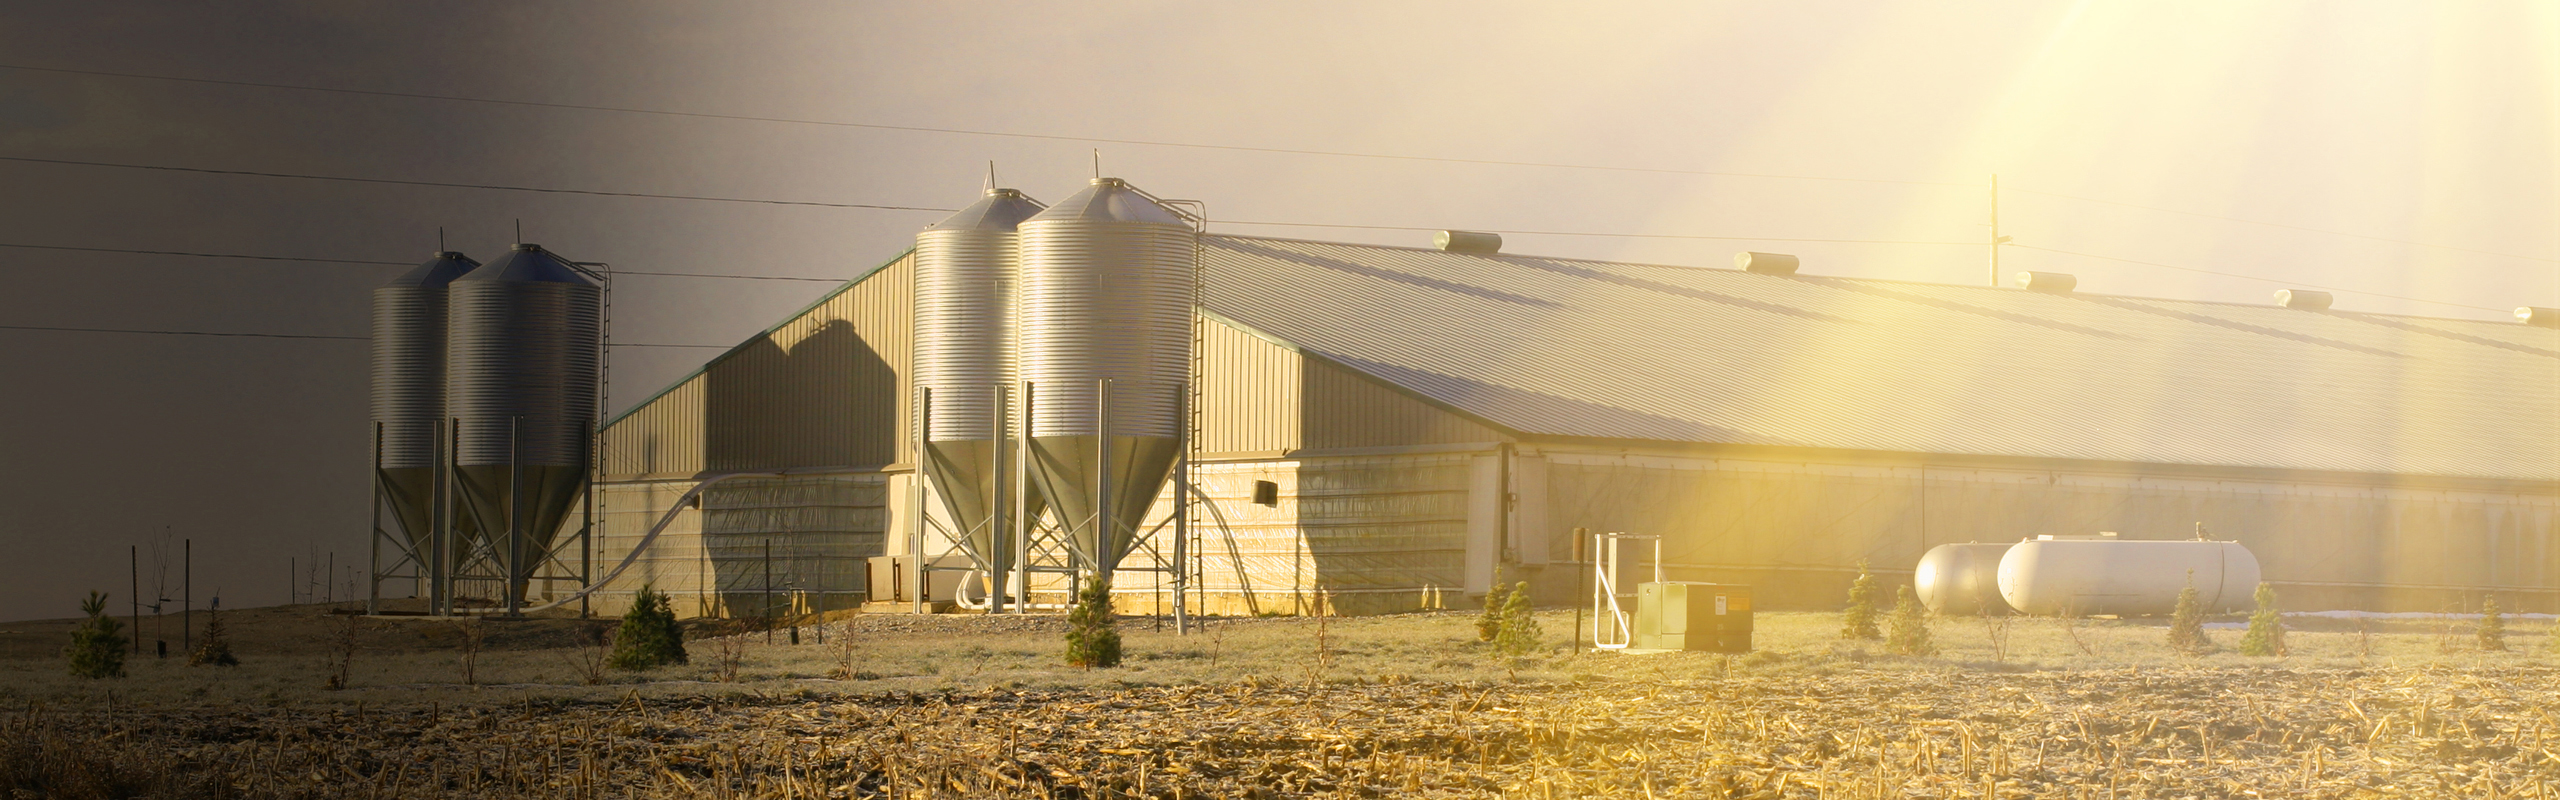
2406	151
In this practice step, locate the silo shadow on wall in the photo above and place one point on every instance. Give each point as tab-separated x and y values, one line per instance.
827	400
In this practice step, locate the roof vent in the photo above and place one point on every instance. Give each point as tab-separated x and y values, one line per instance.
1765	263
2304	299
2054	282
2539	316
1470	242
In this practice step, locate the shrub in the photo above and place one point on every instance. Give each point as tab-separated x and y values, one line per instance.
649	636
216	649
2186	623
1910	625
1093	638
2266	626
1859	622
97	646
2493	627
1489	624
1519	634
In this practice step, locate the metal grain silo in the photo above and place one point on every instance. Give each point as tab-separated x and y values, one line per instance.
1108	282
967	267
1961	579
520	384
408	390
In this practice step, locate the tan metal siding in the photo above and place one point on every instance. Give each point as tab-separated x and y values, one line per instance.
660	439
825	388
1249	392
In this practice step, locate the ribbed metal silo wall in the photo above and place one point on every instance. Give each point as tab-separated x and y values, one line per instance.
1105	299
521	383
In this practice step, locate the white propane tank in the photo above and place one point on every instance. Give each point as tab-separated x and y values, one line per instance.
2104	575
1961	579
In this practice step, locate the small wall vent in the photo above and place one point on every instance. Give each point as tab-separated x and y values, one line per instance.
2052	282
1470	242
2304	299
1266	493
1765	263
2538	316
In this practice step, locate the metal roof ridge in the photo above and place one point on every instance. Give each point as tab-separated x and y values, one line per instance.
1895	281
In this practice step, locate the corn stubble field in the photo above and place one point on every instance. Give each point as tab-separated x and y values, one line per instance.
1402	706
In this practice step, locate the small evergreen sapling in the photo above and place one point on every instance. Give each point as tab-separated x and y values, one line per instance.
1859	622
1093	638
97	646
2186	623
1489	624
2266	626
216	649
649	636
1910	625
1519	635
2493	627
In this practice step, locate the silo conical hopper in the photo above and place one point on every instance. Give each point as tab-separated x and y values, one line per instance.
967	267
1107	288
521	387
408	391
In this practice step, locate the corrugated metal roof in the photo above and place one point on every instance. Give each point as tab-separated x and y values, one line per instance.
1564	347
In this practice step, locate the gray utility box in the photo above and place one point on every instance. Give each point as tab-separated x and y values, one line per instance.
1686	615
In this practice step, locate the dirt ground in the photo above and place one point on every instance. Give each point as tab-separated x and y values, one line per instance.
1400	706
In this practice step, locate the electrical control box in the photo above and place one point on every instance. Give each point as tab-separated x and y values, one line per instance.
1687	615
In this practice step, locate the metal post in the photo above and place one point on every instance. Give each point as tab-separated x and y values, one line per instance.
515	516
440	528
1182	512
187	616
1022	521
373	566
1103	558
997	546
764	612
1581	549
915	510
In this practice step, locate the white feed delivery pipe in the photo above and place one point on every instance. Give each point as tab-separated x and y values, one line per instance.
2051	576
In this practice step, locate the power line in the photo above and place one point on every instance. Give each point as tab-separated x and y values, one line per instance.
399	182
256	335
1234	222
1158	143
969	132
385	263
2289	227
2256	278
439	184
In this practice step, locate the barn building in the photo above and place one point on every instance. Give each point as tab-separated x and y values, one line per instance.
1375	429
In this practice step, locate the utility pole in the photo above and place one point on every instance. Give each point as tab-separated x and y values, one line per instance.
1996	239
187	613
133	560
